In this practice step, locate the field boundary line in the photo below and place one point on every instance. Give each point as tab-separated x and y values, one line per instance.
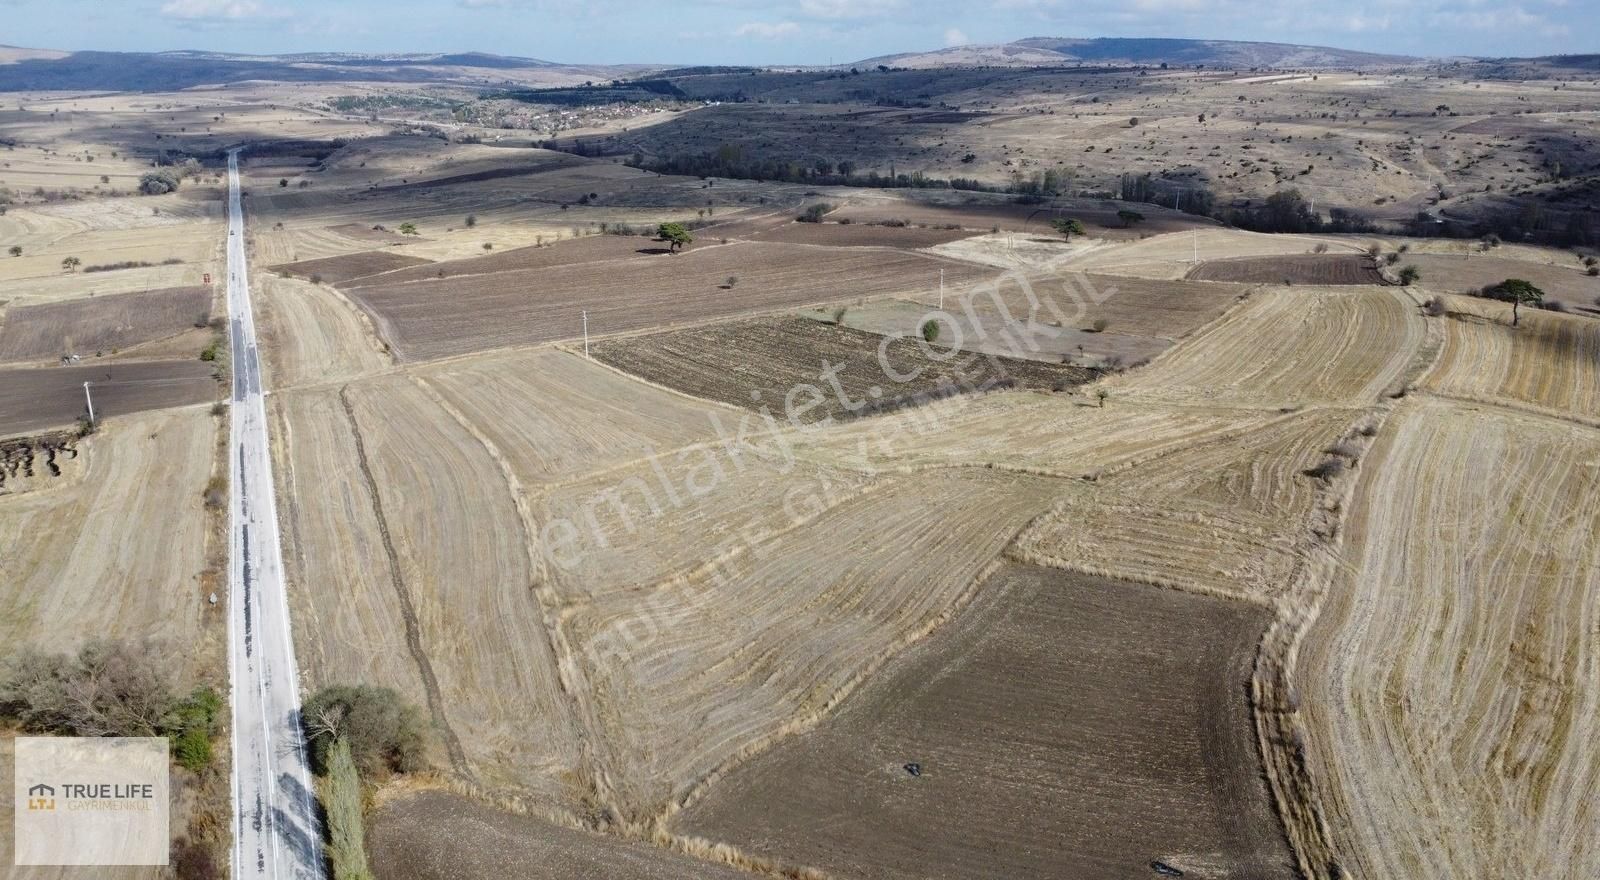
408	610
565	659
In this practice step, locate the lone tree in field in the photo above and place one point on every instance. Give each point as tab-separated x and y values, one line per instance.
1067	226
1516	291
676	235
408	229
1129	218
16	250
71	264
1409	275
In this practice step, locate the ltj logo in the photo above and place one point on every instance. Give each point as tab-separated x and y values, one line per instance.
41	797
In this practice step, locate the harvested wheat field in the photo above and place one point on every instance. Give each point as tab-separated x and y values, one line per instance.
789	367
1174	255
1291	347
554	416
347	267
436	835
1061	435
1448	686
311	334
685	674
1225	517
1130	750
430	319
1550	362
1322	269
102	323
35	398
70	572
452	555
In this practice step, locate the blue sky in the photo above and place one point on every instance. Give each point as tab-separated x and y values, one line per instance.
783	31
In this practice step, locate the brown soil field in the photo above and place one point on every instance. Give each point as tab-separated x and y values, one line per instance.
32	399
1134	747
102	323
73	570
1174	255
1448	682
336	270
763	363
1322	269
684	674
834	234
572	252
435	835
1550	362
1566	284
429	319
1159	309
1291	347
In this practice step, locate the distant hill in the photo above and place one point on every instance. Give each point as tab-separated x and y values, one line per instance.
36	70
1037	51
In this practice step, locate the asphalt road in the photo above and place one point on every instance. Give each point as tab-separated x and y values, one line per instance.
276	831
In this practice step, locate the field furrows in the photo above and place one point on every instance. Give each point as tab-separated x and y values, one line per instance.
1450	682
465	572
1064	726
1550	362
1317	269
349	267
348	620
105	323
686	674
1290	347
1225	517
431	319
68	558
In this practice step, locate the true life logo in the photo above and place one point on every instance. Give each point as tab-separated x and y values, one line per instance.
41	797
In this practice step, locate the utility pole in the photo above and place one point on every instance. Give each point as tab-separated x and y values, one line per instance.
941	290
1194	236
585	332
89	400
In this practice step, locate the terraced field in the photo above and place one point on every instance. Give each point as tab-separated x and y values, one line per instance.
1449	683
1550	362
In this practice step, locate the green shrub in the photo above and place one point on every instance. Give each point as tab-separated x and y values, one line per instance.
814	213
342	800
192	749
930	330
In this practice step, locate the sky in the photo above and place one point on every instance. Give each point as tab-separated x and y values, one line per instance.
784	31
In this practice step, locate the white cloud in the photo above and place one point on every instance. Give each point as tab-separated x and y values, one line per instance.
218	10
955	37
763	30
850	8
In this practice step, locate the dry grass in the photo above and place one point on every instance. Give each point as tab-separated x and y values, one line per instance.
1550	363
